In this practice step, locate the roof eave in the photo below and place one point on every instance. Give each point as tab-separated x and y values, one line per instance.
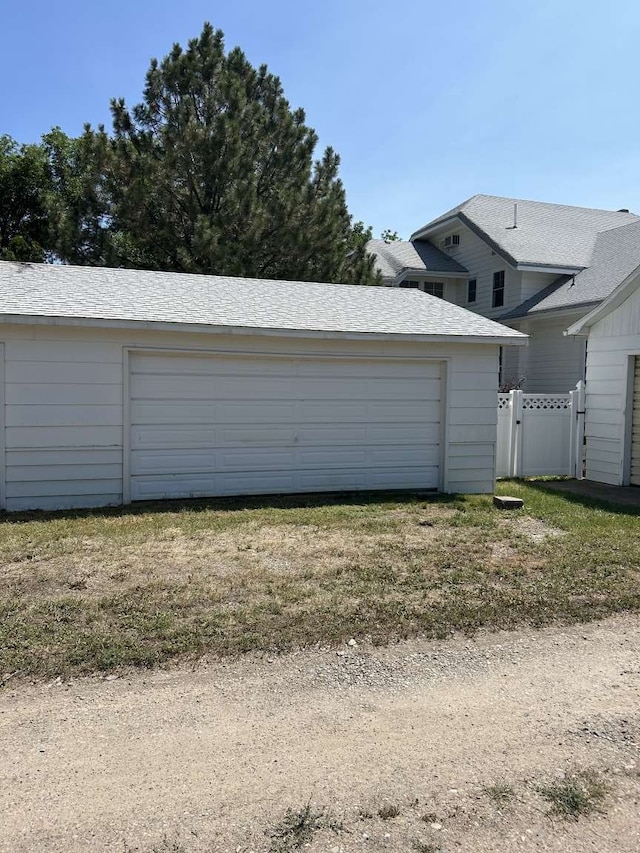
554	269
606	306
400	276
523	266
423	232
556	311
200	328
471	225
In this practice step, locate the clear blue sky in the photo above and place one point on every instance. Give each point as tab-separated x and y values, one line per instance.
427	103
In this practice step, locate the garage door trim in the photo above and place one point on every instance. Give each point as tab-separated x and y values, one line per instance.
129	351
631	404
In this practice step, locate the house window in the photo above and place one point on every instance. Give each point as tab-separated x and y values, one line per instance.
498	289
435	288
472	290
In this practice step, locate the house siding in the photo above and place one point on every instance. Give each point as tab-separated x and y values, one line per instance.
612	342
553	362
533	282
482	262
65	410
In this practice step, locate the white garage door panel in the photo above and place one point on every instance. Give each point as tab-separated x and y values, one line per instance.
251	388
214	425
268	413
206	436
186	364
274	459
203	485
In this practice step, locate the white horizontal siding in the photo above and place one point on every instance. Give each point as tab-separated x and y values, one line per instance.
472	416
64	411
611	344
555	363
482	262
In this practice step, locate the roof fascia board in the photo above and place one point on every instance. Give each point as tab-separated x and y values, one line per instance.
159	326
426	275
423	232
560	311
613	301
555	270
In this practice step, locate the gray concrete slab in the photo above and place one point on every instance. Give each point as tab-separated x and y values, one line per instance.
624	495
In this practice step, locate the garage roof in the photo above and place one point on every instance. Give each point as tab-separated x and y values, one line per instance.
49	293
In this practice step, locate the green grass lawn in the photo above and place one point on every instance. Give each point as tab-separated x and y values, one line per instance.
90	591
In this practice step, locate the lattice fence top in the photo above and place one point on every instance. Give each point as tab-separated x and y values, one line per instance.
536	402
546	401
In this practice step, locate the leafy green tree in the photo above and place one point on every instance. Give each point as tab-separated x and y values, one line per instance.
390	236
79	203
24	194
214	172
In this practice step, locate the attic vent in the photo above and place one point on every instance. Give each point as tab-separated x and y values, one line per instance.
624	210
451	241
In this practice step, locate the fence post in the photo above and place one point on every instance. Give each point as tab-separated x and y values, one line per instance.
515	433
578	399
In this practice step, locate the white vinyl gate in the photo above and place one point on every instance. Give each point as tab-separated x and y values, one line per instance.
540	434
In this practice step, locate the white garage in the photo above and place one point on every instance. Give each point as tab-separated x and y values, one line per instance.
124	385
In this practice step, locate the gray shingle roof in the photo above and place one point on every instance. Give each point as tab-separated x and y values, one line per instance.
615	256
418	255
556	235
95	293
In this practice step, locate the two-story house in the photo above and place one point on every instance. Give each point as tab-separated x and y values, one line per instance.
534	266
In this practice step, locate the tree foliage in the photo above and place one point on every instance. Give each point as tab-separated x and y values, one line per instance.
25	192
211	172
214	172
80	205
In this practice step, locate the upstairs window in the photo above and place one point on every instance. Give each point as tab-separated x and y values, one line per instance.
472	290
434	288
498	289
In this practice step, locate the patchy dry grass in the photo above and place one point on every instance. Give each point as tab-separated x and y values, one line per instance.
500	793
297	828
577	793
90	591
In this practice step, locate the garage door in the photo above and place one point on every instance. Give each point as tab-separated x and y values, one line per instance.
228	425
635	434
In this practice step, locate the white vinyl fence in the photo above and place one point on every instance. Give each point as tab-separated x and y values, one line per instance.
540	434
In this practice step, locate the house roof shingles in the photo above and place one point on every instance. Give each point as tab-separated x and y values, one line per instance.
615	256
554	235
141	296
418	255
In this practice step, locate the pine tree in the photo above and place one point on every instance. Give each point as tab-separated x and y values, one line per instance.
214	172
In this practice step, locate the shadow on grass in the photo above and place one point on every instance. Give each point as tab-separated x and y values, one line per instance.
573	492
235	504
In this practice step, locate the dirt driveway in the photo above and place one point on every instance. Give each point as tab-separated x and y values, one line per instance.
421	746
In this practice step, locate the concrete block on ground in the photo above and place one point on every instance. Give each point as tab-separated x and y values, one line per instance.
505	502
